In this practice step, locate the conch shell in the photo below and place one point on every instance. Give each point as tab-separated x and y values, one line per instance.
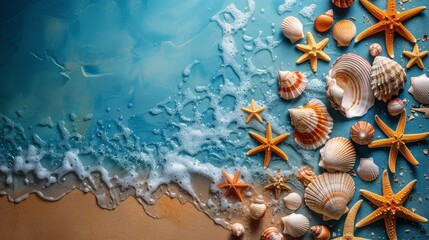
295	225
258	208
272	233
237	229
292	29
338	154
420	88
387	78
320	232
291	84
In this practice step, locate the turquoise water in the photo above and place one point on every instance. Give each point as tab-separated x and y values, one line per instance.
138	94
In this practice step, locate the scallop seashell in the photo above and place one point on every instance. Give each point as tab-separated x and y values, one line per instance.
258	208
387	78
292	201
291	84
338	154
362	133
292	29
329	194
312	124
305	175
272	233
343	3
375	49
237	229
295	225
368	170
344	31
320	232
395	106
420	88
324	22
349	85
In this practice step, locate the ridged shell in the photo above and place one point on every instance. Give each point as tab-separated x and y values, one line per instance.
387	78
320	232
420	88
338	155
237	229
312	124
258	208
292	29
344	31
349	85
272	233
375	49
395	106
305	175
362	133
292	201
295	225
329	194
368	170
291	84
343	3
324	22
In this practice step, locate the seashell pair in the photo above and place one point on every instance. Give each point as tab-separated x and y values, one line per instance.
362	133
375	49
295	225
349	85
305	175
312	124
368	170
343	3
291	84
395	106
272	233
387	78
237	229
324	22
258	208
320	232
338	154
344	31
292	201
292	29
329	194
420	88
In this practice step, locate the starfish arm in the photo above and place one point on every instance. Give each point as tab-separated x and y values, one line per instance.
246	110
349	224
284	186
359	238
236	176
381	143
304	57
386	129
393	154
223	185
376	12
257	149
280	138
313	64
303	48
408	155
279	152
277	192
390	224
322	55
249	118
241	185
411	62
258	137
269	186
229	192
270	177
409	215
401	124
268	132
408	138
403	31
226	175
378	27
320	45
403	16
373	217
403	195
310	39
387	188
238	194
408	54
375	199
258	117
419	63
267	158
389	37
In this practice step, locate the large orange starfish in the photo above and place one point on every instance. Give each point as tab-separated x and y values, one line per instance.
389	206
349	224
233	185
397	141
268	144
390	21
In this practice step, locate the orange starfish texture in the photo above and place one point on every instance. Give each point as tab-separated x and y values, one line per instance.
397	141
253	112
390	21
416	57
233	185
268	144
349	224
389	206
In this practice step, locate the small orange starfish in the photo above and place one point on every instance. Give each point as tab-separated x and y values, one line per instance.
313	51
390	21
233	185
397	141
415	57
277	183
349	224
389	206
253	112
268	144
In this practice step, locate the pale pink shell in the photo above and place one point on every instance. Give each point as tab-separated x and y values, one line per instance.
395	106
272	233
375	49
344	31
291	84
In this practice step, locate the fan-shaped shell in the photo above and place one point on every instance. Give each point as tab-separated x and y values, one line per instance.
344	31
349	85
387	78
368	170
362	133
295	225
292	29
320	232
395	106
291	84
292	201
420	88
324	22
237	229
272	233
312	124
338	154
258	208
375	49
305	175
343	3
329	194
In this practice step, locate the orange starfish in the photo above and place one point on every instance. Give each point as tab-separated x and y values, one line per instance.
416	57
349	224
397	141
313	51
390	21
233	185
253	112
268	144
389	206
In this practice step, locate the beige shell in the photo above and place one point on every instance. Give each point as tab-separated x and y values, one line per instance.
368	170
320	232
387	78
292	201
292	29
305	175
295	225
338	155
237	229
362	133
344	31
420	88
395	106
258	208
349	85
324	22
375	49
312	124
329	194
291	84
272	233
343	3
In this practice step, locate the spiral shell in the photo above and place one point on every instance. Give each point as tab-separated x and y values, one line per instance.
295	225
338	154
320	232
387	78
329	194
324	22
237	229
292	201
362	133
272	233
420	88
343	3
368	170
292	29
305	175
375	49
258	208
344	31
395	106
291	84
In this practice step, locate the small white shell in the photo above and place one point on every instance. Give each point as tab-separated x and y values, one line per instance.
338	154
292	29
237	229
320	232
295	225
291	84
368	170
375	49
272	233
258	208
387	78
395	106
420	88
292	201
344	31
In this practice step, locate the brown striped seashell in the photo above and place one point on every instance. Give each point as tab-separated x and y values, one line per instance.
375	49
338	155
292	201
324	22
272	233
362	133
258	208
368	170
387	78
305	175
291	84
344	31
395	106
420	88
292	29
329	194
320	232
312	124
237	229
343	3
295	225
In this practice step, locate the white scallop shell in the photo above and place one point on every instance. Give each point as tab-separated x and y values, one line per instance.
272	233
291	84
344	31
420	88
237	229
387	78
329	194
320	232
292	29
292	201
349	85
338	154
258	208
295	225
395	106
368	170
